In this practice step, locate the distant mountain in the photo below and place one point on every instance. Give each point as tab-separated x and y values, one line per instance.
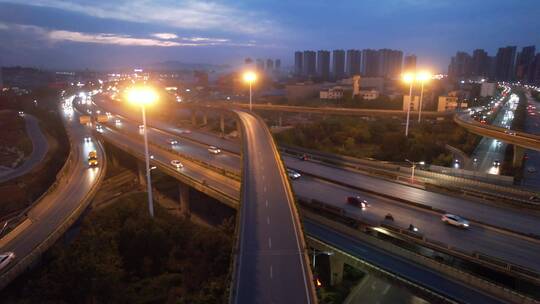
177	65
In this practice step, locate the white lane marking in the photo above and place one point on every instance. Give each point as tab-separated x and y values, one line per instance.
270	243
263	177
271	272
264	189
268	220
266	203
386	289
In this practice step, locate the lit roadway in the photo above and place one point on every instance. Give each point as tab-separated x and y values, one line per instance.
39	150
478	238
272	262
489	149
53	210
531	173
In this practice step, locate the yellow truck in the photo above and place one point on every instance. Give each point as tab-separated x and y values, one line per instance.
92	159
84	119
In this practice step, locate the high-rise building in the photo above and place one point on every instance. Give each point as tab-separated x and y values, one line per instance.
504	63
323	64
525	63
390	63
298	63
278	64
370	63
354	58
535	75
309	64
269	64
480	65
460	65
338	63
260	64
409	63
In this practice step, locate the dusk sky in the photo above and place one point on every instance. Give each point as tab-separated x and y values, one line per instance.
107	34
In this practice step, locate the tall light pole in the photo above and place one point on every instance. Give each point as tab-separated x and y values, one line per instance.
414	167
144	96
408	78
250	77
423	77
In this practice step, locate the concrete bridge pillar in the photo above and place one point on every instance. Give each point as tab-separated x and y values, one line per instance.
194	117
280	120
239	128
222	123
141	173
205	118
518	156
184	200
336	269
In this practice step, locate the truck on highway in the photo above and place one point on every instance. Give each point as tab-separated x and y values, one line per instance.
84	119
102	118
92	159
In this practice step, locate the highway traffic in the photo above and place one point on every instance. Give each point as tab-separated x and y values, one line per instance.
477	238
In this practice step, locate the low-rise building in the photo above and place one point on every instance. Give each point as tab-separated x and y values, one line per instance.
488	89
302	90
369	94
413	105
449	103
331	93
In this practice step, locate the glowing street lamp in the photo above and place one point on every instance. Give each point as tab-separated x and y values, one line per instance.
414	167
408	78
423	77
145	96
250	77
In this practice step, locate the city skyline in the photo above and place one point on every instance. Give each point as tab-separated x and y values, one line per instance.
55	34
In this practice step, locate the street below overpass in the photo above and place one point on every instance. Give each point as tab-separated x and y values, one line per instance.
478	238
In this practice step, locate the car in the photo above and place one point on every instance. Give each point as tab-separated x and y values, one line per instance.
92	159
87	139
214	150
455	220
176	163
21	113
534	198
173	142
6	258
99	128
496	163
304	157
141	127
117	121
531	169
184	131
357	201
293	174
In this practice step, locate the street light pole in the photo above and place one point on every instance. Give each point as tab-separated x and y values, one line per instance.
409	109
420	106
147	160
250	96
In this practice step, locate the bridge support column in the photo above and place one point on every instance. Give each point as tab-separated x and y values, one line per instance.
336	269
193	118
239	128
280	120
141	173
183	190
205	118
518	156
222	123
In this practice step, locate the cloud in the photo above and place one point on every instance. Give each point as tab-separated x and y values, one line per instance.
165	36
187	14
102	38
166	39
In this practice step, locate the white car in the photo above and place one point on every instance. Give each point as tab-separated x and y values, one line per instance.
177	164
117	121
6	258
21	113
87	139
214	150
455	220
99	128
531	169
293	174
141	127
173	142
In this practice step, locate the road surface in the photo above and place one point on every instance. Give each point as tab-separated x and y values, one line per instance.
54	208
39	150
531	165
